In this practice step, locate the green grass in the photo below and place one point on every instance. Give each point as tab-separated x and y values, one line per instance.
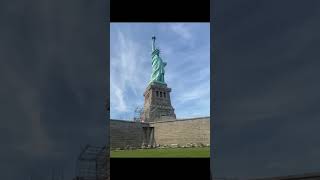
199	152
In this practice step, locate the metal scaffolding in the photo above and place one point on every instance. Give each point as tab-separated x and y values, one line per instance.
93	164
138	114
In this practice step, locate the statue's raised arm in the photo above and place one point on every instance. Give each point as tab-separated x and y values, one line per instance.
158	65
153	43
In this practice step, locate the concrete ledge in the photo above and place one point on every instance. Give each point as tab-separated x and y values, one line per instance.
187	119
126	121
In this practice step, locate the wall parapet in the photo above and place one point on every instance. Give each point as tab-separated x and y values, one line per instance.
184	119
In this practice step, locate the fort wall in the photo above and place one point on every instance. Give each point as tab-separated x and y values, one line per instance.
126	133
182	131
164	132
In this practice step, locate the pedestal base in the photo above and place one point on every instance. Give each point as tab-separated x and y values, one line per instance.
157	102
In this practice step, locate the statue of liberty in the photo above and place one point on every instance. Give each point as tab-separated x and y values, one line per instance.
158	65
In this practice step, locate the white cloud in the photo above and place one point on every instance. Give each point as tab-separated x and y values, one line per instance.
202	91
118	102
182	30
191	77
127	72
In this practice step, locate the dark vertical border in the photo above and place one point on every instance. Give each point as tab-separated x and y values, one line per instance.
213	89
107	98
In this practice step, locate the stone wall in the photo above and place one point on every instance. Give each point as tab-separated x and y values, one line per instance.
126	133
165	132
182	131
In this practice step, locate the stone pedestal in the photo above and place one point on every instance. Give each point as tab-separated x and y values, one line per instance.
157	102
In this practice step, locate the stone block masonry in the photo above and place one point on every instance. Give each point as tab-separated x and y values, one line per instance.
182	132
124	134
157	103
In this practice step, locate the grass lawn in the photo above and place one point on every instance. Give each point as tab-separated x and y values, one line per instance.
199	152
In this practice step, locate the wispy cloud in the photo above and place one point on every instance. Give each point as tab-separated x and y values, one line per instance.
182	30
127	67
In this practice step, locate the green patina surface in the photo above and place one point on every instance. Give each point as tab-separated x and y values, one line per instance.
157	75
201	152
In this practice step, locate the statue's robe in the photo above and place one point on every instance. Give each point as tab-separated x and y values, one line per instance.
157	68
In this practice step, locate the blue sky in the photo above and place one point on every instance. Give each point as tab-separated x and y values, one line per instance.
186	49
